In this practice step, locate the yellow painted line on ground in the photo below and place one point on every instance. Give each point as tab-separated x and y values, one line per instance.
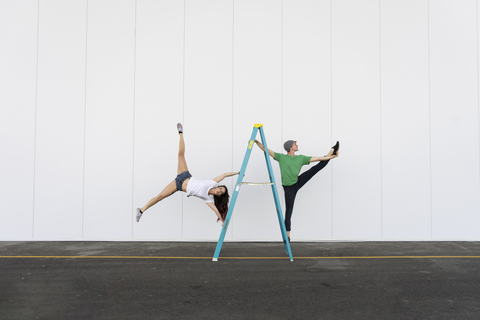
393	257
103	257
238	258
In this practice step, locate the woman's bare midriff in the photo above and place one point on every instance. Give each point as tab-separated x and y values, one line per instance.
184	185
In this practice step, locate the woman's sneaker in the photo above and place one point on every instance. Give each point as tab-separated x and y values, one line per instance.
139	214
180	128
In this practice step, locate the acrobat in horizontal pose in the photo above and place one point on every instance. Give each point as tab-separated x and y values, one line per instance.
290	166
203	189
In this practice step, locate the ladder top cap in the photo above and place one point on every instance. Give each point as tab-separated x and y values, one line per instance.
258	125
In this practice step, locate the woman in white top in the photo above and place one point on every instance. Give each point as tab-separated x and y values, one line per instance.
203	189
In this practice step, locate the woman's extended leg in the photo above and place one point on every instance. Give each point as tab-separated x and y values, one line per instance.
171	188
182	163
166	192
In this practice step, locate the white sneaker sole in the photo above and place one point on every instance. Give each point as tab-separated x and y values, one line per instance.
139	215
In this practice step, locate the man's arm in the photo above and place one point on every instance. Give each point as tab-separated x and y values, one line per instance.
261	146
328	157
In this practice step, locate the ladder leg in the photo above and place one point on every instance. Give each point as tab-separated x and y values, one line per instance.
222	234
286	243
235	195
283	230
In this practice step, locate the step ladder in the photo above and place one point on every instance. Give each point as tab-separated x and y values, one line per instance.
256	128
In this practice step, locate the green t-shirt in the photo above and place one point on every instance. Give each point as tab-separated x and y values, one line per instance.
290	167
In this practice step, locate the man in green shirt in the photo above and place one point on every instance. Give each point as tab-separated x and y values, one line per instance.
290	166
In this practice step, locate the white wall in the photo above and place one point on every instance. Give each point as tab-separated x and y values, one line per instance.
356	112
257	92
158	107
60	120
208	106
405	120
18	94
109	120
307	108
454	119
91	91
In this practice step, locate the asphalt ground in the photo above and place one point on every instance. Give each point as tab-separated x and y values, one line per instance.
178	280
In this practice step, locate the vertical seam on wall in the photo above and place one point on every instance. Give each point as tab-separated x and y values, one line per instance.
430	120
35	130
85	123
478	81
183	93
281	72
381	114
331	112
233	89
134	105
281	95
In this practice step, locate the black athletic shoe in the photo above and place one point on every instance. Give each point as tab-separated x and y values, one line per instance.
335	148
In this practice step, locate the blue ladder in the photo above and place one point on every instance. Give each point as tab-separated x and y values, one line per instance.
286	243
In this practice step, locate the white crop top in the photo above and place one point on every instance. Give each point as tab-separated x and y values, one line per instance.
200	188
